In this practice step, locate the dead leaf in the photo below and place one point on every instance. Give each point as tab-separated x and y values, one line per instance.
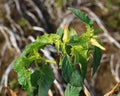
10	92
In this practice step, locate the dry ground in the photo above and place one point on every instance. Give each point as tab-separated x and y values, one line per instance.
22	20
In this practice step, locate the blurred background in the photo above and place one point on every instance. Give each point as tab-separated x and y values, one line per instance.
21	21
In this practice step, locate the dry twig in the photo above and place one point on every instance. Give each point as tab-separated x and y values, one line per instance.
115	90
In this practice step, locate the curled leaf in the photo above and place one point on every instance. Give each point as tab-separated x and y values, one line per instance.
66	36
95	43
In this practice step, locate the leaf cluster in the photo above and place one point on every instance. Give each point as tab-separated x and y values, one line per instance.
74	51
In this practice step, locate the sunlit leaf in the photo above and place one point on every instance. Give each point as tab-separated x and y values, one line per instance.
66	36
23	75
82	40
95	43
58	45
28	56
73	34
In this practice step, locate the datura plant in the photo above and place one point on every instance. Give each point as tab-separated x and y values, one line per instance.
34	71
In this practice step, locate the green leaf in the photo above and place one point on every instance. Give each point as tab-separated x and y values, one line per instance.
70	73
82	40
27	57
48	38
60	32
21	65
98	31
73	34
89	31
43	78
58	45
80	55
96	59
72	90
23	75
82	16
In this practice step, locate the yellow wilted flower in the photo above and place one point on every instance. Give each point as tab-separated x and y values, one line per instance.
95	43
66	36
